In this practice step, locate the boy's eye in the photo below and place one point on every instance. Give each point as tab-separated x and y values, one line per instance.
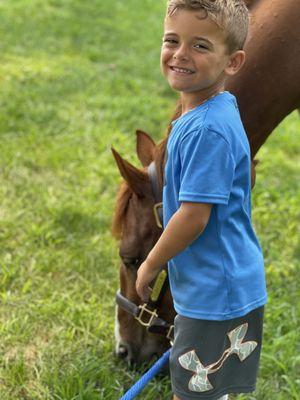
201	46
170	41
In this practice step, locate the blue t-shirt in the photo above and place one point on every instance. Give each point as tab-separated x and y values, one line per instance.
221	274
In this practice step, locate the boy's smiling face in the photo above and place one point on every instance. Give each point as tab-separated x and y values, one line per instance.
194	54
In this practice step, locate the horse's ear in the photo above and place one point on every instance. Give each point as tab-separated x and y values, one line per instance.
145	147
137	180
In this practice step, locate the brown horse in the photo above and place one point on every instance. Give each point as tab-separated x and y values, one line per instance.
267	89
134	224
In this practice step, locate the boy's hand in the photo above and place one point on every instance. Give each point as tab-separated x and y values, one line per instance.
145	275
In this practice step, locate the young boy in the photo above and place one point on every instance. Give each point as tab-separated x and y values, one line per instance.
215	262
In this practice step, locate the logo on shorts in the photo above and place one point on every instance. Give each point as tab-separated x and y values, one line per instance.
199	382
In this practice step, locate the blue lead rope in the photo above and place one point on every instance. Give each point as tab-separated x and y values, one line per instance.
142	382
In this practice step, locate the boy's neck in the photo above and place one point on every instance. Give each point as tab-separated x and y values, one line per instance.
194	99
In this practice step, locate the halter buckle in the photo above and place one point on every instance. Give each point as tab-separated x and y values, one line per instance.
145	311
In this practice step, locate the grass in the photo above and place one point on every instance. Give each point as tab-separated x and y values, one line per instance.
76	78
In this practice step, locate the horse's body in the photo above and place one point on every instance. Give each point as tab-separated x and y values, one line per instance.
267	89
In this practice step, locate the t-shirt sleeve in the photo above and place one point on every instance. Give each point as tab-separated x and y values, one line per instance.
207	168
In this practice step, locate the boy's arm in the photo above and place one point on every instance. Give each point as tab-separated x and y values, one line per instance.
182	229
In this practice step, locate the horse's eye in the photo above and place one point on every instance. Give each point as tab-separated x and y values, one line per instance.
131	262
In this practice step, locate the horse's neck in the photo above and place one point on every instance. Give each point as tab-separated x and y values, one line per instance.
267	87
261	116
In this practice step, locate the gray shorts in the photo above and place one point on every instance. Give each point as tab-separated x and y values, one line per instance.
212	358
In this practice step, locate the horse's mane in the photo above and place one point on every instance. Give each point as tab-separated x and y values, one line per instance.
159	156
125	191
122	201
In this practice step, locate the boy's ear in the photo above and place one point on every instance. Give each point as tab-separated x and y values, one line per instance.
235	62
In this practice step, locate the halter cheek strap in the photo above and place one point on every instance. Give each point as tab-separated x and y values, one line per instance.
157	194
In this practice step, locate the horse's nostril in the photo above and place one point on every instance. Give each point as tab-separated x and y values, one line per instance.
122	351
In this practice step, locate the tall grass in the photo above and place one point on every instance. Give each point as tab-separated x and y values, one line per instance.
76	78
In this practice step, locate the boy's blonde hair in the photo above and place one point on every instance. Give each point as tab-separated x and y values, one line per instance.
231	15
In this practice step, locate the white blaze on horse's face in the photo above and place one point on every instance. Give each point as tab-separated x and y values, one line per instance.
117	331
194	54
130	351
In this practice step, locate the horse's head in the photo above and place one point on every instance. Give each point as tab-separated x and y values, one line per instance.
135	226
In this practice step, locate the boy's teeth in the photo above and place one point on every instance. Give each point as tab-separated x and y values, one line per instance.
182	70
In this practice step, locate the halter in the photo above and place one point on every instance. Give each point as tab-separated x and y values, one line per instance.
146	314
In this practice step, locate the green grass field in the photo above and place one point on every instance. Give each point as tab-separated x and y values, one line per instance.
76	78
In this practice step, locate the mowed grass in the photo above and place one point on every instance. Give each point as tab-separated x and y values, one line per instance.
76	78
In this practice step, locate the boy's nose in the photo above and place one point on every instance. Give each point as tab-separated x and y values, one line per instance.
181	54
